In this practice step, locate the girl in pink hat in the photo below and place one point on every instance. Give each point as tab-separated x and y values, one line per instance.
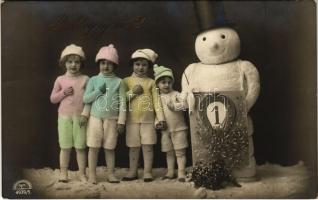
107	96
68	90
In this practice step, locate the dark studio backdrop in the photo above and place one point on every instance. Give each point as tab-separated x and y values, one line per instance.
278	37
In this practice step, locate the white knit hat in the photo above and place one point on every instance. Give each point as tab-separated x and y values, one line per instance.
72	49
145	53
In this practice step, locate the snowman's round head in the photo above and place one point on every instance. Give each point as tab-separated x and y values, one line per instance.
217	46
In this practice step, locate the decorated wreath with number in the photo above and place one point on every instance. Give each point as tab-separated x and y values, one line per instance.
223	133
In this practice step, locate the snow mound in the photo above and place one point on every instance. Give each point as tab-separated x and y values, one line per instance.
275	181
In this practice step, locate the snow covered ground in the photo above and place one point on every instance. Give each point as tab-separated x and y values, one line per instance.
275	182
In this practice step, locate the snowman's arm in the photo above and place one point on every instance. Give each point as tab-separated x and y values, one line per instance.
186	92
187	79
251	76
185	82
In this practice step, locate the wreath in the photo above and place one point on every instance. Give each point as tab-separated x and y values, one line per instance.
227	144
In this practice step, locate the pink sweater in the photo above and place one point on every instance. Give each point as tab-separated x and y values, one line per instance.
72	104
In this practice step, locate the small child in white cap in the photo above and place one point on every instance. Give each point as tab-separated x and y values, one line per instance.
173	140
143	106
107	95
68	91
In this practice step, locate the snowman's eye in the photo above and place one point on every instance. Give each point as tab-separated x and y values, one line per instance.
204	38
223	36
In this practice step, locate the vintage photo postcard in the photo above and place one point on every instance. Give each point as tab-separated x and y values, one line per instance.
159	99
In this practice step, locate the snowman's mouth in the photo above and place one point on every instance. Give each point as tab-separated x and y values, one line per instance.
216	51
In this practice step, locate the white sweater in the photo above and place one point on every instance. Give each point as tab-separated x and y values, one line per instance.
174	118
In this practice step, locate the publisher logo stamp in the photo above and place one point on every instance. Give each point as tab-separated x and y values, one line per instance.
22	187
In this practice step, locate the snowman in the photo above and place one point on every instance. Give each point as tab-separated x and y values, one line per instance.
220	90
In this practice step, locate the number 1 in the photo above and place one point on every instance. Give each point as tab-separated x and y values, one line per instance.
216	108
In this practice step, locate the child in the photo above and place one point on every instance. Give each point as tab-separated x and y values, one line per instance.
107	95
68	90
174	139
144	104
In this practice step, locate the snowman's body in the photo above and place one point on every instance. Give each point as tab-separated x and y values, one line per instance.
207	78
221	71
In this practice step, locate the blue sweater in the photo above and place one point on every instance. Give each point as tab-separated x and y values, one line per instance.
112	104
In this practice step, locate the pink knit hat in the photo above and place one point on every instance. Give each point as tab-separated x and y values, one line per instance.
109	53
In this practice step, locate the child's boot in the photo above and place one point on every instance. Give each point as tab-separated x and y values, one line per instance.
81	161
133	164
181	160
64	161
170	165
110	161
148	160
63	175
92	163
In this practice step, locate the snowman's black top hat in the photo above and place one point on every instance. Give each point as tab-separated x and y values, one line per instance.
211	15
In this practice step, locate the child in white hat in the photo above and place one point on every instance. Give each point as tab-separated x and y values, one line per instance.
143	106
107	95
68	90
173	140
